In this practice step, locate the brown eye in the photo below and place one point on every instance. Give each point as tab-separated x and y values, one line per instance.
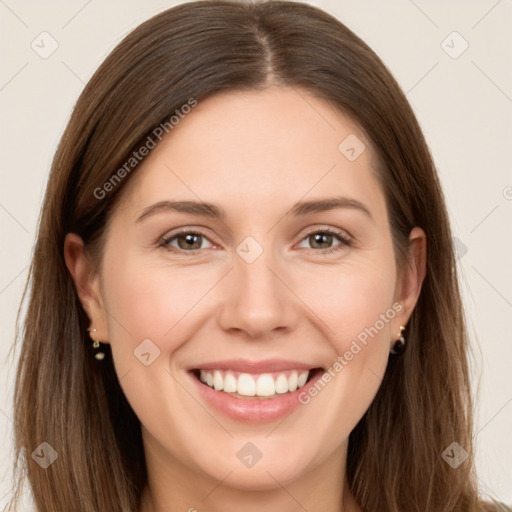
322	240
185	241
189	241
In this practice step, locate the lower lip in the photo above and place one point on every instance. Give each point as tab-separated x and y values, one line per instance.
254	410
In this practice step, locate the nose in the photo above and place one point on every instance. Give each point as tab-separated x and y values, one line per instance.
258	299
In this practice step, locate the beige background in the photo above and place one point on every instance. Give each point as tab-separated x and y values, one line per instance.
464	105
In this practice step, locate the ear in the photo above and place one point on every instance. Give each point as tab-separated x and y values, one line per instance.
87	284
411	280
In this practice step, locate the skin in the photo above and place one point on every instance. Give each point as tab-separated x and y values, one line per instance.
255	154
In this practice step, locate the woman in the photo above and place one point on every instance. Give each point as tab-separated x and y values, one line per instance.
244	292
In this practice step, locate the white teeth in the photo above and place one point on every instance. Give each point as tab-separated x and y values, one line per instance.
246	385
263	385
303	377
230	384
292	381
218	381
282	384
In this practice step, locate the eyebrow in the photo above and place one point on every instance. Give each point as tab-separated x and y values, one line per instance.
211	210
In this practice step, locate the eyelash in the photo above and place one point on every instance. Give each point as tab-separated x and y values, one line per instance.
345	241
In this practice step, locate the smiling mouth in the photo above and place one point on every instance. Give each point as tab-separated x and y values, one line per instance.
255	386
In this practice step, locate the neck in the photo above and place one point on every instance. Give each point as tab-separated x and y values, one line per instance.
325	488
151	504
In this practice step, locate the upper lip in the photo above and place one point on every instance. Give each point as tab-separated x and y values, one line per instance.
248	366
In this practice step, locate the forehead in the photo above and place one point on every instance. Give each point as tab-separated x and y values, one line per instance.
258	149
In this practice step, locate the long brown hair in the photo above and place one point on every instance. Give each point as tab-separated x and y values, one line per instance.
66	398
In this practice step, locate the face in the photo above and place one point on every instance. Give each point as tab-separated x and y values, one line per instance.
268	289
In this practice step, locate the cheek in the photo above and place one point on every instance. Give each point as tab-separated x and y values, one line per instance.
365	308
355	305
350	299
152	312
152	302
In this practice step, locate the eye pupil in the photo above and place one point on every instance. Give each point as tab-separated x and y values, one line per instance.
322	238
189	241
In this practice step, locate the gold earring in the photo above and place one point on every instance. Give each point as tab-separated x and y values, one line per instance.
96	344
